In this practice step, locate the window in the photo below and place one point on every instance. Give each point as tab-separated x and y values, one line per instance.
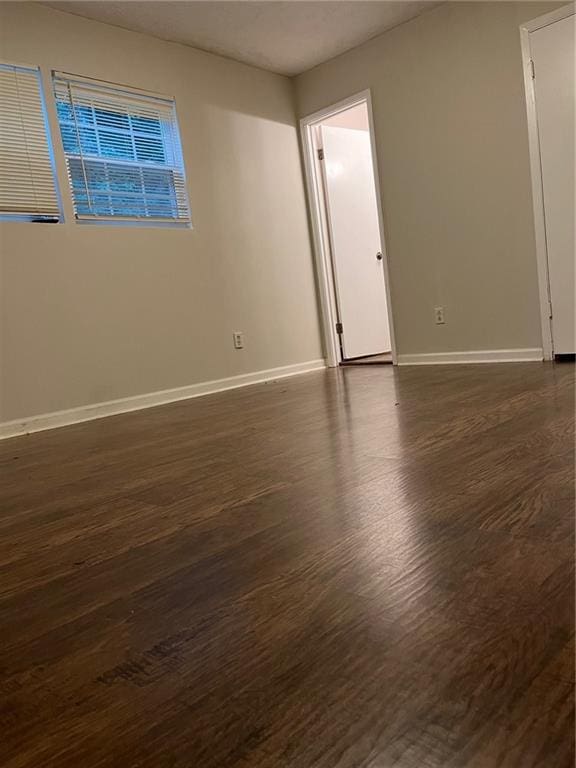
123	153
27	179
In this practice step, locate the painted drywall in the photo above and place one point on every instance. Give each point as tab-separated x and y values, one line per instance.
95	313
452	146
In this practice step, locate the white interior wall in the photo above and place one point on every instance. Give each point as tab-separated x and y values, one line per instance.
452	145
96	313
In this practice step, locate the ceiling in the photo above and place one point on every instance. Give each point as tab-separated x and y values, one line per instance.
282	36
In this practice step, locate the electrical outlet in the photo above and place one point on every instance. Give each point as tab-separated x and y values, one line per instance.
238	337
439	315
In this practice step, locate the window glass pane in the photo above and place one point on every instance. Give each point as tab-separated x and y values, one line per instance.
83	115
125	179
149	149
69	138
116	145
109	119
88	140
145	124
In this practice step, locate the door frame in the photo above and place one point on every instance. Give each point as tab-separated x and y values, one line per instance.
321	245
536	172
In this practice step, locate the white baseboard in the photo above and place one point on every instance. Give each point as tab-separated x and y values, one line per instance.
478	356
138	402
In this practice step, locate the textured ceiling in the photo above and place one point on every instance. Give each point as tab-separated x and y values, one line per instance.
284	37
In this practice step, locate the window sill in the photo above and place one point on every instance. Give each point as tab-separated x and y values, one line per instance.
140	223
29	218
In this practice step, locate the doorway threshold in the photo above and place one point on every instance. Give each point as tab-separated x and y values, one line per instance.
385	358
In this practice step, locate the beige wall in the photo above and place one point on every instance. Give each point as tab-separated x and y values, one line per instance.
452	147
91	314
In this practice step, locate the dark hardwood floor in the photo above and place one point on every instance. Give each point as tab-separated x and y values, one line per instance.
363	568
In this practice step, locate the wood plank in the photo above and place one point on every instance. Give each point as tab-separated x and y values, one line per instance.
355	568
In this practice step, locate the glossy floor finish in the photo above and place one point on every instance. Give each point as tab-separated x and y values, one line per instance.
361	568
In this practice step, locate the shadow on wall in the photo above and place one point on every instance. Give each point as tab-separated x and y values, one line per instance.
251	166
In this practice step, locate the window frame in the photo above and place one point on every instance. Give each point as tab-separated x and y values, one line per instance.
119	220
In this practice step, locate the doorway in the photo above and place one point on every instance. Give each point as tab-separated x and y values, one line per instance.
548	50
352	266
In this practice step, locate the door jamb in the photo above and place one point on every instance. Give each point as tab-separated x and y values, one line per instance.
321	246
536	172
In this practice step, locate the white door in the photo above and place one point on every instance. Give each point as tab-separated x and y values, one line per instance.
552	51
355	240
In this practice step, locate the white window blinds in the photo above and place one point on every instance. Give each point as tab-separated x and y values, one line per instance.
123	152
27	178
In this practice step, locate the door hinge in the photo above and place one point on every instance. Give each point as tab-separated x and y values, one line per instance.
532	70
339	328
320	154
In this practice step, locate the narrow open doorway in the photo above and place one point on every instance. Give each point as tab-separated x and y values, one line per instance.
349	239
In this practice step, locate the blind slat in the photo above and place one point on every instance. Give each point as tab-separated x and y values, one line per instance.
123	152
27	181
